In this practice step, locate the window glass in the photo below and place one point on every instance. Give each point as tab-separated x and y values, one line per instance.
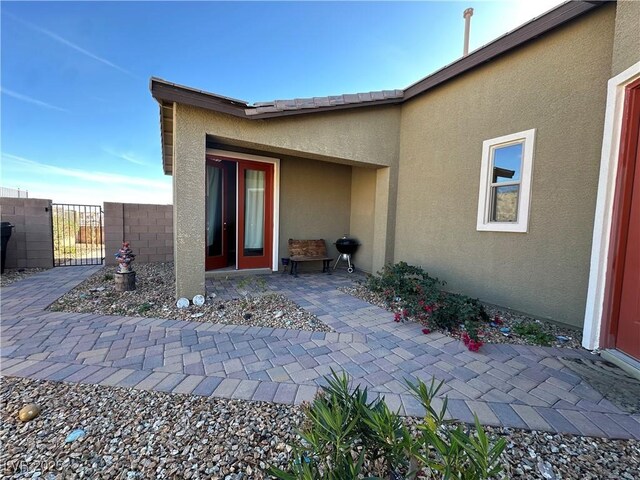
507	163
504	206
254	181
214	210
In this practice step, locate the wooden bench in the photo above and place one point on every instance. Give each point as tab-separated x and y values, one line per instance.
308	251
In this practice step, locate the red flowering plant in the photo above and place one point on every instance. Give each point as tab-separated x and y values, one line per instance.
405	286
412	294
471	336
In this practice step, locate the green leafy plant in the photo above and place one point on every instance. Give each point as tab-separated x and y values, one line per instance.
454	453
344	431
534	333
409	287
145	307
107	277
454	309
252	282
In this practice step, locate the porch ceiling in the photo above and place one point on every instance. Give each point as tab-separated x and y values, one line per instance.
237	146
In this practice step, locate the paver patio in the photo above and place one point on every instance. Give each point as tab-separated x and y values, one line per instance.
508	385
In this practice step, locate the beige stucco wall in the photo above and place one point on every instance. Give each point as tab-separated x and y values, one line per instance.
188	202
626	46
314	203
557	85
363	196
363	135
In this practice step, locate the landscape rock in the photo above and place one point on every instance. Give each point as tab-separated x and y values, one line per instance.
153	435
154	297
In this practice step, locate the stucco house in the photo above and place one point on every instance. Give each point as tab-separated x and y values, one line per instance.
512	172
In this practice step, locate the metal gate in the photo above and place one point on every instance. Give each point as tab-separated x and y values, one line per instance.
78	236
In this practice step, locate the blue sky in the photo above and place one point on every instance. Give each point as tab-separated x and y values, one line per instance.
78	123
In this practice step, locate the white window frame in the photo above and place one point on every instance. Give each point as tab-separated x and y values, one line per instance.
484	224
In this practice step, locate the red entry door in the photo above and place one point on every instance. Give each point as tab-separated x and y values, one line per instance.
255	214
628	252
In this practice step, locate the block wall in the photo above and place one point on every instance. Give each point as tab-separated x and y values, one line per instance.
31	242
148	228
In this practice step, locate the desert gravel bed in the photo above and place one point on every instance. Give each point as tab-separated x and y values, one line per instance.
131	434
13	275
155	297
570	338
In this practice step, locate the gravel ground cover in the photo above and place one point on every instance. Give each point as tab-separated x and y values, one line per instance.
155	297
13	275
132	434
492	334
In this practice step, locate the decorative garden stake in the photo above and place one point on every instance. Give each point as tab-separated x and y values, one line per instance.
124	258
125	277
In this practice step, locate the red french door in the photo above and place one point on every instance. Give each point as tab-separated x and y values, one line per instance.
622	310
255	214
239	213
217	191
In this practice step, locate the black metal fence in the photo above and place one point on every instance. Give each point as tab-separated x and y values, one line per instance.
78	235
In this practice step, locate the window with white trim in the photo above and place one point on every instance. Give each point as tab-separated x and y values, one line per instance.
505	183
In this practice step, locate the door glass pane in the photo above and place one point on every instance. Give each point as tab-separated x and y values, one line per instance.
214	211
504	203
507	163
254	186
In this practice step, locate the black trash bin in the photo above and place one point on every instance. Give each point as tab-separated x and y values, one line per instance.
6	235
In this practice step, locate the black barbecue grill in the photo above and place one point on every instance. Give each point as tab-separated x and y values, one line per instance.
347	247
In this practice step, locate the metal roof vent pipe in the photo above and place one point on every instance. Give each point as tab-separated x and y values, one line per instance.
468	13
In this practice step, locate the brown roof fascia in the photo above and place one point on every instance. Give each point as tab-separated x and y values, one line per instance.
164	91
282	113
527	32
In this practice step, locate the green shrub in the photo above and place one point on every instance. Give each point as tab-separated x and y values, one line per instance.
534	333
407	286
343	430
454	309
145	307
107	277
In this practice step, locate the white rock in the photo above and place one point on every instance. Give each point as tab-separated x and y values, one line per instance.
182	303
198	300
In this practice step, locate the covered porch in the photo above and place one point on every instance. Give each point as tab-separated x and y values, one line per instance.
243	187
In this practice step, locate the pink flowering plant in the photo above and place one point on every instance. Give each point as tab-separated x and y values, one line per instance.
413	295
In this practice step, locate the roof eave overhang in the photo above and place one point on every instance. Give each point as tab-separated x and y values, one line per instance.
166	133
167	93
527	32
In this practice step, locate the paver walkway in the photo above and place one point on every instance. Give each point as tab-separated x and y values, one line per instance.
508	385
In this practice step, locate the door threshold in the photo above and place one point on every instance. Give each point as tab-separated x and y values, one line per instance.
622	360
222	273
